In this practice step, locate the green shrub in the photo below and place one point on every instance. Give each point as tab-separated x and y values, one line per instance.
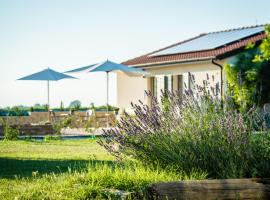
260	147
196	130
9	132
64	123
248	76
104	108
52	137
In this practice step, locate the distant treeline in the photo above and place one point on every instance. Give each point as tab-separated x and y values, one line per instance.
24	110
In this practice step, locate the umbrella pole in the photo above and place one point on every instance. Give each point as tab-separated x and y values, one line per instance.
48	93
107	76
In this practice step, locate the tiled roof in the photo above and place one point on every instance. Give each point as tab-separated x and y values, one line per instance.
222	51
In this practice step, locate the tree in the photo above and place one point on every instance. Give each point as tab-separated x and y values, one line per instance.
76	104
242	79
248	77
37	105
265	47
62	107
92	106
45	107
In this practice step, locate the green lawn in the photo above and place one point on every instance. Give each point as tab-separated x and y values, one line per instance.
22	158
83	149
78	169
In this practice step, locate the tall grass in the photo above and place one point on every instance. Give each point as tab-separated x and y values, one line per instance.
97	181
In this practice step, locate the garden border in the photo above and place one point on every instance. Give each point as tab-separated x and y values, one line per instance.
211	189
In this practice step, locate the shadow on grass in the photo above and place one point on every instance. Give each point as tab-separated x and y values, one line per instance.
12	167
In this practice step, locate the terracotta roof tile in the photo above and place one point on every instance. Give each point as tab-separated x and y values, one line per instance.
211	53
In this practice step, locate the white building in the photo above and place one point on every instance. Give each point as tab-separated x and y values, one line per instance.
169	67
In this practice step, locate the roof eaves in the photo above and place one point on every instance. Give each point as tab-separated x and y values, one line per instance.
182	61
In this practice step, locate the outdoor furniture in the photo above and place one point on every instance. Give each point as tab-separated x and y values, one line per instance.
109	66
47	75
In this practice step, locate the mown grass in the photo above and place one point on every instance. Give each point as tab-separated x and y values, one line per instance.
21	158
84	149
72	170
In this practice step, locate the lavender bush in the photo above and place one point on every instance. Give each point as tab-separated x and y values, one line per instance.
195	130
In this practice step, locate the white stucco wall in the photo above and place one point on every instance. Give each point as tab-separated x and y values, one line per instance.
131	89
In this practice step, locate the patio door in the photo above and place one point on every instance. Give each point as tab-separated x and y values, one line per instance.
161	83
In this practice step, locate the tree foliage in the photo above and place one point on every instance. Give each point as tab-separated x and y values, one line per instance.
76	104
248	76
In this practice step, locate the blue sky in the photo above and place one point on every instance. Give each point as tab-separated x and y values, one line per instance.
63	34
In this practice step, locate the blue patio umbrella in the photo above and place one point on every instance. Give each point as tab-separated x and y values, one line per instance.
109	66
47	75
81	69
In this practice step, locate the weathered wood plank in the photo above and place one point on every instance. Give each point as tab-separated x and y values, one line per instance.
212	189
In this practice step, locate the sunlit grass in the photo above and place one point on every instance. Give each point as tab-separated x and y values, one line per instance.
66	149
92	182
78	169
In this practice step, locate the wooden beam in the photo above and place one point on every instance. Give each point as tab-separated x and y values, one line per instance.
211	189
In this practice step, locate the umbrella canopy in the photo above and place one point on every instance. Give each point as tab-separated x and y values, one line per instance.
81	69
109	66
47	75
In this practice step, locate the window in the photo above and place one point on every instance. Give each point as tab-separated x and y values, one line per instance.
161	83
180	83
